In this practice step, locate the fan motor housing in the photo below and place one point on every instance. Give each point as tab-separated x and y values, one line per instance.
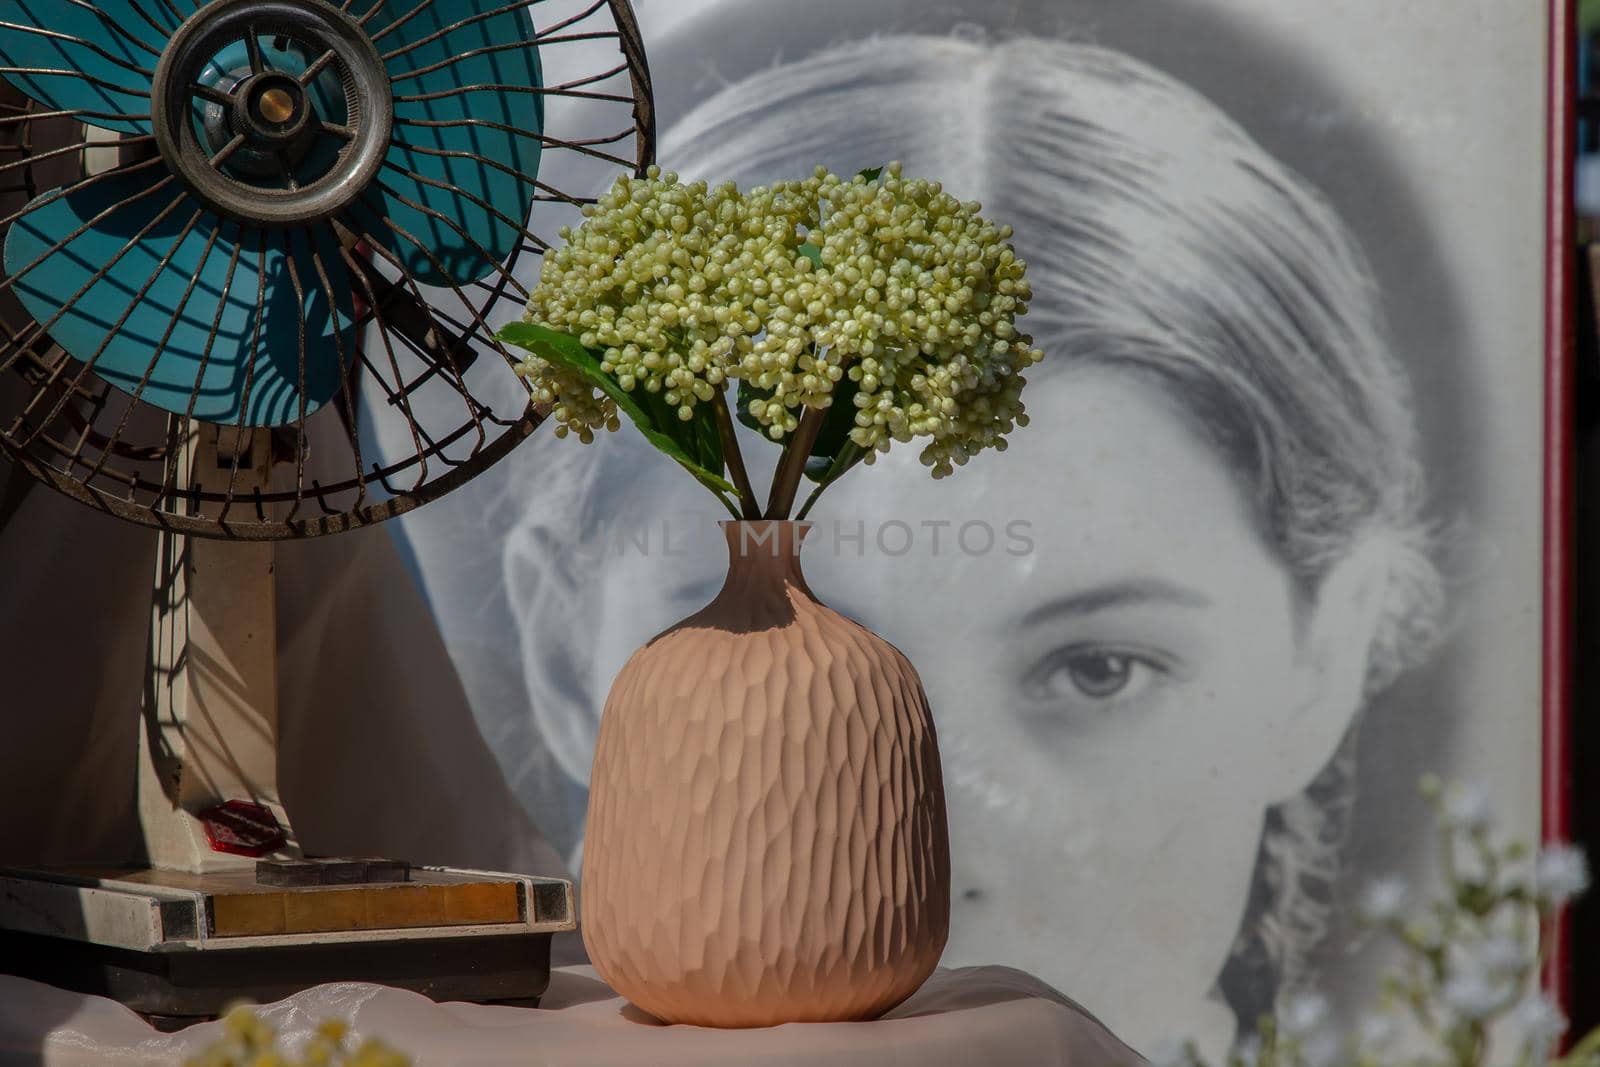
267	119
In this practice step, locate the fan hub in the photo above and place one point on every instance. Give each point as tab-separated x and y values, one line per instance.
278	108
278	123
271	109
272	112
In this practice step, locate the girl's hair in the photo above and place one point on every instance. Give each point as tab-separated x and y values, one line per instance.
1163	241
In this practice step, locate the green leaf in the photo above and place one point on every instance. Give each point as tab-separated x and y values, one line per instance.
695	444
872	174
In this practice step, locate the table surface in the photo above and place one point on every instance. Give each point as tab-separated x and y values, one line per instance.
974	1015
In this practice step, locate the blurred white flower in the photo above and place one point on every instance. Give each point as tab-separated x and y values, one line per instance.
1473	959
1426	932
1384	899
1540	1023
1377	1032
1561	873
1498	957
1303	1015
1474	993
1468	808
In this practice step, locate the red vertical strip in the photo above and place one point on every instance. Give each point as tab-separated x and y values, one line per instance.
1560	321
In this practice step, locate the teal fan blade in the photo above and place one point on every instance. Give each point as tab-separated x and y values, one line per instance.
193	309
468	88
97	59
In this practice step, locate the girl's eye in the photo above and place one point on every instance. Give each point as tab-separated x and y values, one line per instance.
1100	676
1092	674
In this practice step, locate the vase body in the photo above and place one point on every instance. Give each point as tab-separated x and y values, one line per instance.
766	836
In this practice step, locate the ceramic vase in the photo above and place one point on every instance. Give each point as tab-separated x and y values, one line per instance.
766	836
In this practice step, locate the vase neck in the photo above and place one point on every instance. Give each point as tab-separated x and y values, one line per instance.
764	559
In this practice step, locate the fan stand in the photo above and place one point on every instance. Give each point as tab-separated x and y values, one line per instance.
211	695
223	905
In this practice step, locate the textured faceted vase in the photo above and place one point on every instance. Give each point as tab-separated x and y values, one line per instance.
766	837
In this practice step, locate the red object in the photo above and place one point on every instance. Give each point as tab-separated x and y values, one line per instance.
1558	521
242	829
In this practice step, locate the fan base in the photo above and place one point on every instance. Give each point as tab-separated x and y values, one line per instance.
179	947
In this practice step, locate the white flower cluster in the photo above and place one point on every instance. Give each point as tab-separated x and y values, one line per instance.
1306	1021
1469	970
1468	808
915	300
1539	1023
1383	900
653	279
891	284
1485	975
1561	873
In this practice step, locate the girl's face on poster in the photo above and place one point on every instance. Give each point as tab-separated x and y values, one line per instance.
1122	685
1123	674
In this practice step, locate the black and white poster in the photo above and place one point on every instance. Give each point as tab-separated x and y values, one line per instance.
1269	549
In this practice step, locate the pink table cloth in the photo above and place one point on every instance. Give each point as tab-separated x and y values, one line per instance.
990	1016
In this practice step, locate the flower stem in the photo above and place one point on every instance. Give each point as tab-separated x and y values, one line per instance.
730	449
786	480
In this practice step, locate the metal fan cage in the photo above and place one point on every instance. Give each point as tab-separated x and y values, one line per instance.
66	426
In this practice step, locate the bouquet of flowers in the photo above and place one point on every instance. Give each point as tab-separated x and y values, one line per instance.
853	314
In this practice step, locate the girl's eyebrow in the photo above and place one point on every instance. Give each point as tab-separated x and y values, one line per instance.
1117	594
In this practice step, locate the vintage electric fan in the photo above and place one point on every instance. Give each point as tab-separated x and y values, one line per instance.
250	252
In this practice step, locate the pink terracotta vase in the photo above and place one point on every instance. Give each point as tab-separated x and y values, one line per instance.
766	839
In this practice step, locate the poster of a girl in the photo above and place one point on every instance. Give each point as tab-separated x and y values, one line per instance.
1205	555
